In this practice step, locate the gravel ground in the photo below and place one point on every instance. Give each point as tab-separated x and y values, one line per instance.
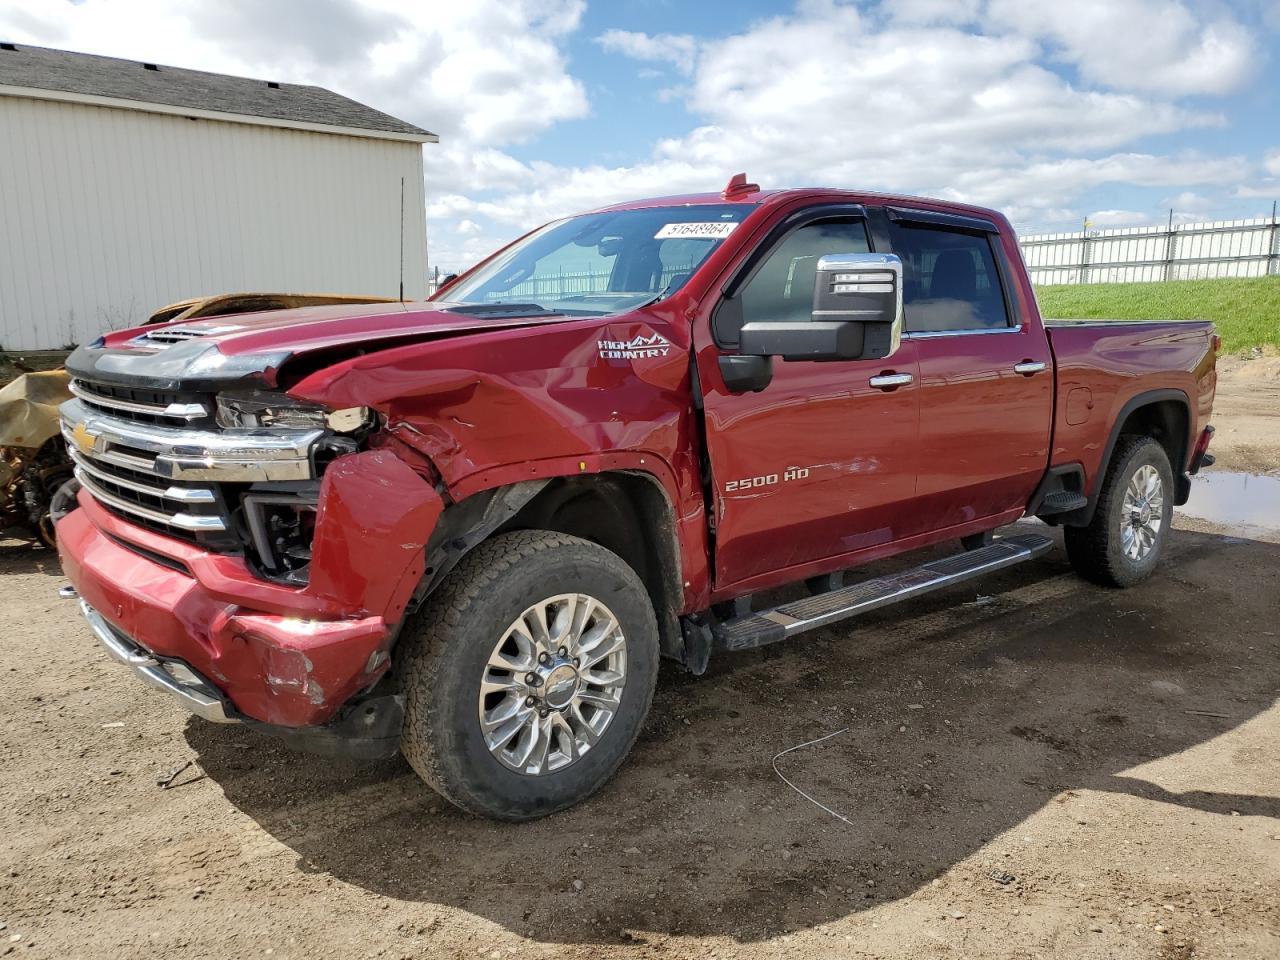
1030	767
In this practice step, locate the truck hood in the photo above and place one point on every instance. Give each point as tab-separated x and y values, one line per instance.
212	352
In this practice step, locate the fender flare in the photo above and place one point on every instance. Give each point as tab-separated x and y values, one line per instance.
1136	402
466	523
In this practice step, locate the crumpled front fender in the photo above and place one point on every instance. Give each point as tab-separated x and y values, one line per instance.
374	518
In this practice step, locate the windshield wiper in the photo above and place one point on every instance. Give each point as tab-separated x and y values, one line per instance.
656	297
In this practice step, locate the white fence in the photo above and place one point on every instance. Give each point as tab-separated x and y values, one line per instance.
1187	251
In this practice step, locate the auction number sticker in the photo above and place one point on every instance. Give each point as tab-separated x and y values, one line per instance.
695	231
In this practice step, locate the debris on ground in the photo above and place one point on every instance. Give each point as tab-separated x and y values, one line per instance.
165	782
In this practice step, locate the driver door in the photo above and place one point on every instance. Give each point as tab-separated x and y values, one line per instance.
820	463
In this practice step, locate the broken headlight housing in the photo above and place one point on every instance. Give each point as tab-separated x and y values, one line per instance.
270	408
281	527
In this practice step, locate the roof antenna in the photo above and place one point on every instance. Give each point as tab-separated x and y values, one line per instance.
402	239
738	187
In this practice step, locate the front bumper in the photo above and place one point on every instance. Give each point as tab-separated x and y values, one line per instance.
193	692
275	654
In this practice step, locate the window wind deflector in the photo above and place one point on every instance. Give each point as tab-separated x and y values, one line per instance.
502	310
955	220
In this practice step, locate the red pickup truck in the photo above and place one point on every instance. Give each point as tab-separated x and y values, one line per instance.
469	528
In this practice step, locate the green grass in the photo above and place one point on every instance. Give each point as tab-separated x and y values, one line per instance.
1247	312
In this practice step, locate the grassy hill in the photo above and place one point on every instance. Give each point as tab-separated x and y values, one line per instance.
1246	311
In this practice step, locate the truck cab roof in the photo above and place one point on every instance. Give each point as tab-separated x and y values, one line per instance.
758	197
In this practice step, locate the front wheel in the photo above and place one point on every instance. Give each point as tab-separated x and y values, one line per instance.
1123	542
528	675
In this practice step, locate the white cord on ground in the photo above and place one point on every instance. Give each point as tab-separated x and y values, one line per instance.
810	743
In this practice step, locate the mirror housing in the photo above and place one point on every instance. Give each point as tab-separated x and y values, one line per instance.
857	314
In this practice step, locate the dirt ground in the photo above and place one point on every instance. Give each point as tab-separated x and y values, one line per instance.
1246	413
1033	767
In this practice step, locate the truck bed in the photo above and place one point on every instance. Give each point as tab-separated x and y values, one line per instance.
1096	321
1104	367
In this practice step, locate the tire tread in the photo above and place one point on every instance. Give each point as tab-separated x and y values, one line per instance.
1089	548
430	745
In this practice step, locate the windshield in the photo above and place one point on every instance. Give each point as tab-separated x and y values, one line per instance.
603	263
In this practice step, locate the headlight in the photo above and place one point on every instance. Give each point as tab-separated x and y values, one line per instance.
266	408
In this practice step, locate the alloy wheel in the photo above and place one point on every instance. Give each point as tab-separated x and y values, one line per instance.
552	684
1142	513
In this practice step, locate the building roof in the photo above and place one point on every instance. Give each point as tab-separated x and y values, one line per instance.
90	78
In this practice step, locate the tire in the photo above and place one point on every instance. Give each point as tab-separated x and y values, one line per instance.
1104	551
61	503
472	618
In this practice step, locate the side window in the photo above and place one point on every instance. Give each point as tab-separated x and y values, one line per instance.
782	288
950	279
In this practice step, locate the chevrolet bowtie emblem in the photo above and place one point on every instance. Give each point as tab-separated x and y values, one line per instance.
84	439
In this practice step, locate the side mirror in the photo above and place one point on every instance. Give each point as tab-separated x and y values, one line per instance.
857	314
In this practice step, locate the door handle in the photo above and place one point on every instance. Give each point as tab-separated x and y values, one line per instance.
1028	367
888	381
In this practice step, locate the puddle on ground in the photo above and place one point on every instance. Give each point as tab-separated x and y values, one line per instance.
1235	499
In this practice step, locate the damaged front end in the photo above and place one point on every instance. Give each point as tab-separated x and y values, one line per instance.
260	550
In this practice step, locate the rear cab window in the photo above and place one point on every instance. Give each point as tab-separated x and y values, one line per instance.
951	280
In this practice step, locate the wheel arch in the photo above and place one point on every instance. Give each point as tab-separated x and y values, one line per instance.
1163	415
627	512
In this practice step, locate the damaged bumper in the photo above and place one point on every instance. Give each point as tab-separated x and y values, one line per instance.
192	691
231	646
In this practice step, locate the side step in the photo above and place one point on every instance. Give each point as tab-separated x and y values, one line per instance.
1062	501
770	626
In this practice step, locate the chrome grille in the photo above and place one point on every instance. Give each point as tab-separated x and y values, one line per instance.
145	406
181	481
126	486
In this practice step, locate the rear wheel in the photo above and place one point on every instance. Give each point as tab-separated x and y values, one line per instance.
1123	542
528	675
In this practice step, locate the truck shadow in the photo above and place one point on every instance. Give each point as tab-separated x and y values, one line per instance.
963	716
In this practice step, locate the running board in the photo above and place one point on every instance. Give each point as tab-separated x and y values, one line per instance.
770	626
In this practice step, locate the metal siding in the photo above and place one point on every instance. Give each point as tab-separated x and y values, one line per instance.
109	214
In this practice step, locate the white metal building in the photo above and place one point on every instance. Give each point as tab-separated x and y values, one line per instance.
125	186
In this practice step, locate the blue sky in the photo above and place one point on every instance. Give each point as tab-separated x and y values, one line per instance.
1054	111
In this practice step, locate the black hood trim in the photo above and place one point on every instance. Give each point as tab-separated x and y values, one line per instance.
193	366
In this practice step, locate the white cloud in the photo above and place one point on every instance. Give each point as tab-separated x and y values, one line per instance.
1117	218
1190	203
932	110
678	49
1152	45
933	12
1266	187
1058	181
1264	190
488	75
905	96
